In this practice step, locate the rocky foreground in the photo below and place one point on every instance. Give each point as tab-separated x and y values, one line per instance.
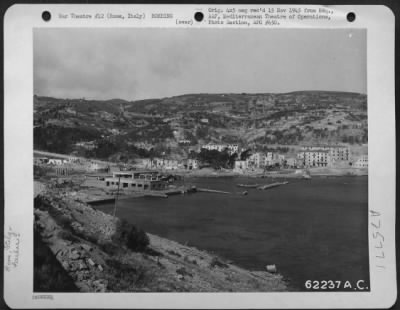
89	245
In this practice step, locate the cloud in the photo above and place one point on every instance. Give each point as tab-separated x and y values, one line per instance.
141	63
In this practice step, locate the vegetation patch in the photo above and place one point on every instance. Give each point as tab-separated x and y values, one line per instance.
132	237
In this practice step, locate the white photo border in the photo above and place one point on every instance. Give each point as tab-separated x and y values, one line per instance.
19	22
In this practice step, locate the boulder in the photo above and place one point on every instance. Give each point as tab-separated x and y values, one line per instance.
90	262
74	255
86	247
100	285
65	265
82	265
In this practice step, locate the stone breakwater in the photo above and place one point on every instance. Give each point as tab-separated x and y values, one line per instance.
81	238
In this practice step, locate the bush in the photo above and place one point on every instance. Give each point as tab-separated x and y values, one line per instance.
67	235
216	262
121	276
109	247
131	236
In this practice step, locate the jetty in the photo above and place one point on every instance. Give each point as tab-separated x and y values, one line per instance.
207	190
248	185
100	201
268	186
157	195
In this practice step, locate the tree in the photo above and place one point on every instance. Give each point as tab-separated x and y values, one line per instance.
245	154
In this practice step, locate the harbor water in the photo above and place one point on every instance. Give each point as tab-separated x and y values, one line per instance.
310	229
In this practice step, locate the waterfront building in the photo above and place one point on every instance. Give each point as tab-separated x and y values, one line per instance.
240	165
336	152
273	158
256	160
291	162
135	181
339	153
316	158
190	164
361	162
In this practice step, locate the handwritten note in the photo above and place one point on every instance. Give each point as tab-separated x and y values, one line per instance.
379	238
11	249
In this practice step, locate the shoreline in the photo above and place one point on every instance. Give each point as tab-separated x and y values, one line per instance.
76	233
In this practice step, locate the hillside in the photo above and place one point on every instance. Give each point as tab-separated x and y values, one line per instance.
127	129
91	251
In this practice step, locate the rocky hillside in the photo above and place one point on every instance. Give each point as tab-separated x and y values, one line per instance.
95	251
253	120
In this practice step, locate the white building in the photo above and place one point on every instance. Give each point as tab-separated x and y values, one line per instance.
232	148
240	165
316	158
291	162
216	147
257	160
56	161
190	164
336	152
163	163
361	162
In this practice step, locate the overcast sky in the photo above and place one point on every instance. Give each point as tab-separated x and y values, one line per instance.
132	64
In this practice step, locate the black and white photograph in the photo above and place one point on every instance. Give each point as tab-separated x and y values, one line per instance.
200	160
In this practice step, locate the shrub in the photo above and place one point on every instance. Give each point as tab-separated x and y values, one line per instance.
67	235
121	276
131	236
109	248
216	262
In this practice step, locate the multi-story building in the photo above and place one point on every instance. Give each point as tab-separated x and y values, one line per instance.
216	147
361	162
291	162
261	160
256	160
339	153
135	181
336	152
163	163
232	148
316	158
240	165
190	164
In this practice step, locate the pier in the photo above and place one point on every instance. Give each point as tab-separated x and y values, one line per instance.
206	190
268	186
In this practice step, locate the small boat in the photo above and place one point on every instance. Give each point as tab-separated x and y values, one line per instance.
307	176
245	193
248	185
